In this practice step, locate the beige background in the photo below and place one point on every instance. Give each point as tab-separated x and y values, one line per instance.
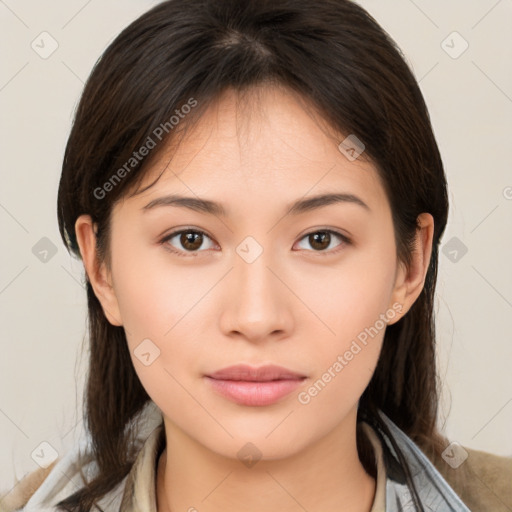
42	304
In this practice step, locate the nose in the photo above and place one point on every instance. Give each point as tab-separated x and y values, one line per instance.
256	304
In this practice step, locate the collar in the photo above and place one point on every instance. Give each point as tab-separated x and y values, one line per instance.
140	487
433	491
391	494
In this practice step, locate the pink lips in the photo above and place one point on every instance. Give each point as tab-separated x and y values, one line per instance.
247	385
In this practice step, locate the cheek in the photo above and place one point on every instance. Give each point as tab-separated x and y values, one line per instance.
353	308
155	294
351	297
158	303
344	360
157	307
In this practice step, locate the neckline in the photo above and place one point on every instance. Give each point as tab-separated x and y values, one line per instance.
141	485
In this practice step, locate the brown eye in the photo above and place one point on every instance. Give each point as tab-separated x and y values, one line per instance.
191	240
321	240
186	241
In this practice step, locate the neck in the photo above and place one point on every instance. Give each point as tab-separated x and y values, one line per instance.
326	476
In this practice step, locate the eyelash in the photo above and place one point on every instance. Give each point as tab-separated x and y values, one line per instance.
168	247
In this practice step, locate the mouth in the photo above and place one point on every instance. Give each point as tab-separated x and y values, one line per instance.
246	385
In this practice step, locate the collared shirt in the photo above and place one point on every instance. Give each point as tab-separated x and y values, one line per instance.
137	491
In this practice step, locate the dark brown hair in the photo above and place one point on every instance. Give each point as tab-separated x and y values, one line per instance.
335	56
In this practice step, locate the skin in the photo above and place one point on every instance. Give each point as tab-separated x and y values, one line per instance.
295	305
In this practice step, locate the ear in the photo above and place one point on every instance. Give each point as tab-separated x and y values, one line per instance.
97	272
409	281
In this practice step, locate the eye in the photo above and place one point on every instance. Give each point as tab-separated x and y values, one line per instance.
189	239
321	240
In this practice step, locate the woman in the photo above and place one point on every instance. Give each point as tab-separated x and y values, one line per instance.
258	199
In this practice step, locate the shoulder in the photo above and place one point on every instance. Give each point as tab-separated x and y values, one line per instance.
23	489
43	487
483	480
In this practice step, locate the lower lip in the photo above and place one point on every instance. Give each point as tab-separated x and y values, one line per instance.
255	393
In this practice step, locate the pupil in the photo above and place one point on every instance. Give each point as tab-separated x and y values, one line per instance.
188	242
322	235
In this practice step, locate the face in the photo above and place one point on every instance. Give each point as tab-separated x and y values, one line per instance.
309	289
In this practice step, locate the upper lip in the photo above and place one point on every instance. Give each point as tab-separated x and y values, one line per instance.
250	373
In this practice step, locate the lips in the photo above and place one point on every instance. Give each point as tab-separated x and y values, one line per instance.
247	385
251	374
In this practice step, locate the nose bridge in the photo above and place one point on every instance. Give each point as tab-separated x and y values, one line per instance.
256	284
257	305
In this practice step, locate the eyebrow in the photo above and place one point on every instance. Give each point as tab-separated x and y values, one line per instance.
214	208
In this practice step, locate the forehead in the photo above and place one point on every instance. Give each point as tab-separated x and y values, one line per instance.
265	145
